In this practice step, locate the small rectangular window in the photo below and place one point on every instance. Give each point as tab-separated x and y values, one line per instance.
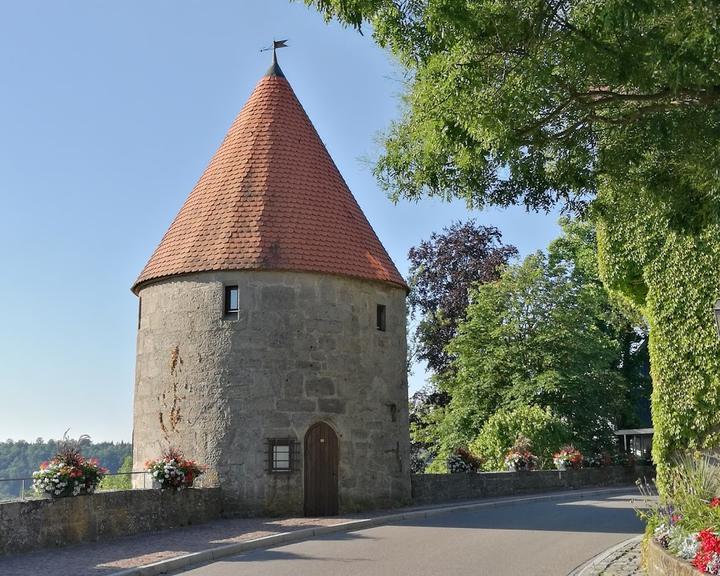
280	455
380	320
231	300
139	312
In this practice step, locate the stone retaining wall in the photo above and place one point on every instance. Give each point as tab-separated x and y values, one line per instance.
440	488
34	524
659	563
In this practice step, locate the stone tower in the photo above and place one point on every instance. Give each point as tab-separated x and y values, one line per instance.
271	343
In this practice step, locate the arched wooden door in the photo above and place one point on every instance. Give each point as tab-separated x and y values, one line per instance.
321	471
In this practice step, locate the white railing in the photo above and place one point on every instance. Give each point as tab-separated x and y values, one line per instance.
25	490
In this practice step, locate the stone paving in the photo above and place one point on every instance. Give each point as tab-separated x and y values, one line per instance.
625	561
104	558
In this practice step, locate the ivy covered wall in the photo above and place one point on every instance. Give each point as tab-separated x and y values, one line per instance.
662	253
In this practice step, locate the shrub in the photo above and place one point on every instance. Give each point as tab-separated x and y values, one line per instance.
123	481
544	429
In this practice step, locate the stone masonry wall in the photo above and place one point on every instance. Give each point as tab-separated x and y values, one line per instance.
36	524
303	348
441	488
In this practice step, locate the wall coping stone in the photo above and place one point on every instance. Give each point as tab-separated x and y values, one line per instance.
659	562
437	488
46	523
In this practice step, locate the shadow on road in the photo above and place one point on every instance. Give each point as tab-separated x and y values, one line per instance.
612	514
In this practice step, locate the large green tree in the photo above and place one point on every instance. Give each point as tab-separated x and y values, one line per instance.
612	104
545	334
532	101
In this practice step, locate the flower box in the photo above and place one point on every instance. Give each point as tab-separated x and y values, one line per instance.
173	471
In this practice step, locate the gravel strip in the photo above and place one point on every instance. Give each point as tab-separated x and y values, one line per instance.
623	561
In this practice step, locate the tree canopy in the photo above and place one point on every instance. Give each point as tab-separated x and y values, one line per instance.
443	271
539	101
545	334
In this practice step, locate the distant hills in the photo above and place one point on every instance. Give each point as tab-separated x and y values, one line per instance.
19	459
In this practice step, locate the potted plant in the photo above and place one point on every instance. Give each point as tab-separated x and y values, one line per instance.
68	473
173	470
462	460
520	458
568	457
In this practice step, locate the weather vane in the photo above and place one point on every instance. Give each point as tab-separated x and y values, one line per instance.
275	45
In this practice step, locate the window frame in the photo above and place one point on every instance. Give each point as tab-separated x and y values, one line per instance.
229	312
291	444
381	318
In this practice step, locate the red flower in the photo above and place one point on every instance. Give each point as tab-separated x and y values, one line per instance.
709	549
715	502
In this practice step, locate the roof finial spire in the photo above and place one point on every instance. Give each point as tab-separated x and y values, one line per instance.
274	69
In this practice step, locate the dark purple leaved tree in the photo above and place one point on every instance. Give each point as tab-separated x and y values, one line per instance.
443	270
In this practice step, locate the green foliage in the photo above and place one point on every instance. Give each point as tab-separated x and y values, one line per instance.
662	253
545	334
546	432
531	101
692	483
19	459
123	482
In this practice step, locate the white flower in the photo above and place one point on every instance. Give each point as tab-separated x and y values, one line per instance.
689	547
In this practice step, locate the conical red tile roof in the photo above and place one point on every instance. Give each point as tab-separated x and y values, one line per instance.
271	199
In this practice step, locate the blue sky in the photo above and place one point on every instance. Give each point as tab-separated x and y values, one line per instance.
109	112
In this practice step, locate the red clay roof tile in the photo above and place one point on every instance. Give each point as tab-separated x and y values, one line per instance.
271	199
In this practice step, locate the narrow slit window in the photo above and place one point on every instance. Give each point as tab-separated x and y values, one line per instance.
139	312
380	317
231	299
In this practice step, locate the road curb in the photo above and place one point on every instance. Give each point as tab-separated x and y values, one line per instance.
582	570
216	553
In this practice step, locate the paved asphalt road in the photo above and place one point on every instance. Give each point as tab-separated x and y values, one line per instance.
533	539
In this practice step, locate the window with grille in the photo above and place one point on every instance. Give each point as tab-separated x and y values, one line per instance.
281	455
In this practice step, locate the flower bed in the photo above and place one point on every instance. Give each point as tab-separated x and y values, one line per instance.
686	523
658	562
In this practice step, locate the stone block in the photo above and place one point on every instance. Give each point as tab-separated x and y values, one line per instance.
319	387
293	384
331	405
284	405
